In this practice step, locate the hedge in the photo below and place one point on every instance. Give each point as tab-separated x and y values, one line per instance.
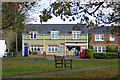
89	53
108	55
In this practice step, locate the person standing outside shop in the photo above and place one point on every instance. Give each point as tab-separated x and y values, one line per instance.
76	52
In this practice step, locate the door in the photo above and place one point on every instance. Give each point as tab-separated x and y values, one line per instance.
77	50
62	50
25	50
83	53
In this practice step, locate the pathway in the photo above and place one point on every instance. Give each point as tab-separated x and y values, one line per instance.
54	72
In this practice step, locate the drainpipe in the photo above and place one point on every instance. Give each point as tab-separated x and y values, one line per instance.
87	40
43	42
22	45
65	46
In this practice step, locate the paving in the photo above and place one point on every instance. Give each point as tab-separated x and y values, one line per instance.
55	72
50	58
70	57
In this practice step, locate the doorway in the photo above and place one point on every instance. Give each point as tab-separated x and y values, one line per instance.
25	50
62	50
77	50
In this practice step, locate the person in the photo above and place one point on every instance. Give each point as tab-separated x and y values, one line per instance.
76	52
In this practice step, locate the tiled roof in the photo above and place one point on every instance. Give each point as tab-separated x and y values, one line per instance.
62	28
105	29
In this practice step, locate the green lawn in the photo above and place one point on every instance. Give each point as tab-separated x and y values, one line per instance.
23	58
24	66
110	72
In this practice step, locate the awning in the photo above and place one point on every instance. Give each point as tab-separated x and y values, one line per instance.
76	44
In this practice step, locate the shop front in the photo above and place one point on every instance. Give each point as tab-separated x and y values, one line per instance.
75	49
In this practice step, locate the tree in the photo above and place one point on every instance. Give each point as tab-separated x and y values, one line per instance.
13	16
82	10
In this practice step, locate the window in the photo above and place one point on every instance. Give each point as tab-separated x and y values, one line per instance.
35	48
119	49
54	34
99	37
104	49
99	49
112	37
76	35
52	48
33	35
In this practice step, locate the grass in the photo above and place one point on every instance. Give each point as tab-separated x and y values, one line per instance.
22	66
110	72
23	58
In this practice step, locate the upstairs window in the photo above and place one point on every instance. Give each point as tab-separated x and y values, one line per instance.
112	38
99	37
54	34
33	35
76	35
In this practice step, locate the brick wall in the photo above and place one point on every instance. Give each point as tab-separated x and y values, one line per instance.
112	44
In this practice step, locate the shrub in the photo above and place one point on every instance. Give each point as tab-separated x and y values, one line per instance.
89	53
34	52
107	55
116	49
100	55
109	49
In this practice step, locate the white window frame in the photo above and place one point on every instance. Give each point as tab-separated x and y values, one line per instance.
96	49
119	49
99	37
34	48
54	34
32	34
112	37
76	34
52	48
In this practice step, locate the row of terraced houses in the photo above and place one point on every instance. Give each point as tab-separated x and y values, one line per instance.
66	39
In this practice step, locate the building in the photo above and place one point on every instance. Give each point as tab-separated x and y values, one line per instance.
1	33
2	44
102	37
54	39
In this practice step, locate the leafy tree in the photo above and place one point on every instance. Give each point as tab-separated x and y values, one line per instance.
103	12
13	16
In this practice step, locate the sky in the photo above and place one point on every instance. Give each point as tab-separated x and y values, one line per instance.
54	20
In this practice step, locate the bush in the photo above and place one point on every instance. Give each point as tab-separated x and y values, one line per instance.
99	55
34	53
109	49
116	49
89	53
108	55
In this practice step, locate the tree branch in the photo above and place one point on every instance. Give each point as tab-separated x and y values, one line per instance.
96	8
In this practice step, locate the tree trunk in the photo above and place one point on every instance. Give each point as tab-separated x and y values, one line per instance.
16	44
